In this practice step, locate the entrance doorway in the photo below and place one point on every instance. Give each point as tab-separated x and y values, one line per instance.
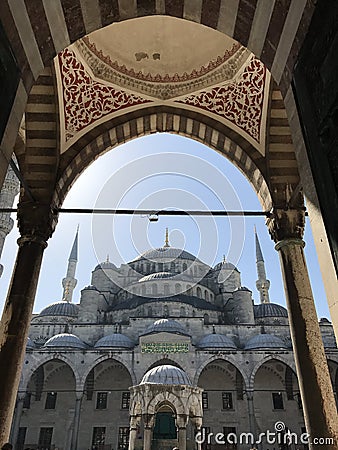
165	427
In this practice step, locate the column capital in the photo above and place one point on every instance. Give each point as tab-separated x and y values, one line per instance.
36	221
149	420
286	224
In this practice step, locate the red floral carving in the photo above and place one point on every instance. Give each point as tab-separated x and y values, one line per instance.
240	102
86	100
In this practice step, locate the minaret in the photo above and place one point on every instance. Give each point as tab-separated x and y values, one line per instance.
262	283
8	192
166	242
69	282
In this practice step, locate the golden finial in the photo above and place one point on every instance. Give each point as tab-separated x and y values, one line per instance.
166	244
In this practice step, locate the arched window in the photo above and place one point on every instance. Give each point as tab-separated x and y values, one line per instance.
185	267
150	311
166	289
206	295
143	289
166	311
189	290
206	319
199	292
182	311
178	289
154	289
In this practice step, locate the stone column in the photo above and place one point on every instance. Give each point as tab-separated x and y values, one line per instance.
77	416
134	424
149	420
182	438
320	413
251	412
36	224
17	417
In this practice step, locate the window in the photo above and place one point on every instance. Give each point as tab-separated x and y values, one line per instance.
154	289
230	437
27	400
166	289
123	441
205	400
20	443
101	400
227	400
125	402
50	400
277	399
99	436
45	438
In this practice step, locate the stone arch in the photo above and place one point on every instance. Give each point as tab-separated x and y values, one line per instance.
227	359
279	358
164	119
105	358
48	358
166	397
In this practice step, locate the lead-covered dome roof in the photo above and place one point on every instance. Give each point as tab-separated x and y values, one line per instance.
166	374
65	340
105	265
269	310
165	275
116	340
264	341
165	252
60	309
216	341
166	326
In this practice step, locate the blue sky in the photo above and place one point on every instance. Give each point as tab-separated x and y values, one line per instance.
161	171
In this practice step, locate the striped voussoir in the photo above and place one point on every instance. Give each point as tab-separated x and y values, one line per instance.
273	30
160	121
40	161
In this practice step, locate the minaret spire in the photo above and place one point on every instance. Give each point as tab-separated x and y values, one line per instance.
166	243
262	283
69	282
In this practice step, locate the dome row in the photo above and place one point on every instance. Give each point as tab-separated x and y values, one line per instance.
121	341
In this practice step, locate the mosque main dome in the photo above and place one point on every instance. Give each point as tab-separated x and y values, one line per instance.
165	252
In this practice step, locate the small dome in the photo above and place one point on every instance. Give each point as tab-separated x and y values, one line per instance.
90	288
30	344
269	310
165	252
262	341
116	340
166	326
225	265
105	265
156	276
60	309
216	340
65	340
166	374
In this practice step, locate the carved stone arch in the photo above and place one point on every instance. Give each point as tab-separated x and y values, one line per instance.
169	397
49	358
279	358
164	119
228	359
105	358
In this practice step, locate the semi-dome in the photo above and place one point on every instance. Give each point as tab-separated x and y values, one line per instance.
157	276
263	341
166	374
165	252
62	308
216	341
269	310
116	340
65	340
166	326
